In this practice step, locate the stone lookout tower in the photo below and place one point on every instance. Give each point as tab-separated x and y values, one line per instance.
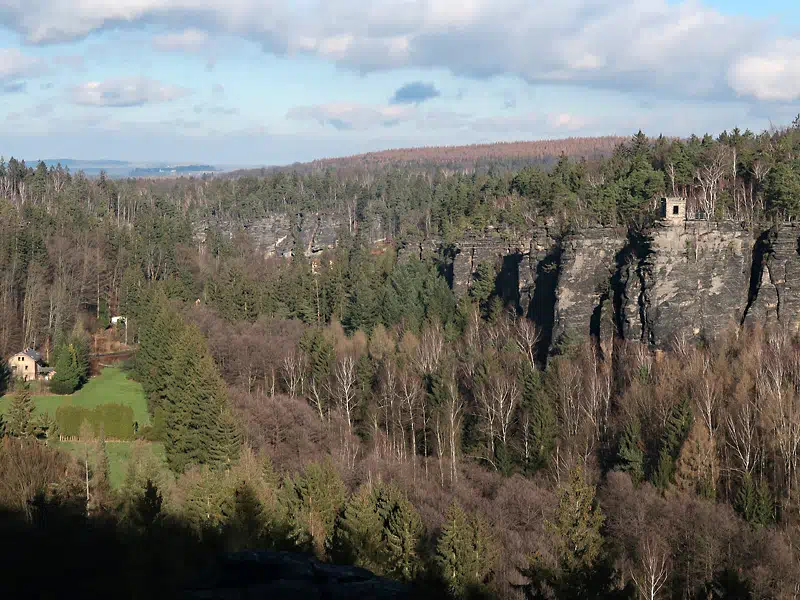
673	210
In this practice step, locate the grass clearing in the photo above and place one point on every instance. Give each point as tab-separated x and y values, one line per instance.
111	386
119	453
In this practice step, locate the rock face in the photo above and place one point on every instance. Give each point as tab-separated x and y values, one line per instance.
679	278
700	278
267	575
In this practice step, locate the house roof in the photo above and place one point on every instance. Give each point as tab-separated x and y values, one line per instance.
32	354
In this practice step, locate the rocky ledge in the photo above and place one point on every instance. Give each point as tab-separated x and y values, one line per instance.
271	575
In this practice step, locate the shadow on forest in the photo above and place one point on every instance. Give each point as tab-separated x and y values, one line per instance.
56	552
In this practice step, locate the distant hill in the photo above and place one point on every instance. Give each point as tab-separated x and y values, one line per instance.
501	154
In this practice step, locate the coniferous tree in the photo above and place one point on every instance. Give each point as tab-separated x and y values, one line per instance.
312	501
465	553
630	453
20	413
402	530
754	501
675	433
194	404
577	524
159	328
66	378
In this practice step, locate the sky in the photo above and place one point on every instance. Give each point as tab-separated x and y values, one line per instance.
261	82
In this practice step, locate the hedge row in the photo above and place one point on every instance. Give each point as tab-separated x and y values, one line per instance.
114	420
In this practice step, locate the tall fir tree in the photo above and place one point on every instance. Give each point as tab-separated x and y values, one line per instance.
630	452
675	433
159	328
20	413
194	404
465	553
577	524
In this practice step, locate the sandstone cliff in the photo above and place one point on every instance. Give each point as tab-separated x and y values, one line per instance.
689	278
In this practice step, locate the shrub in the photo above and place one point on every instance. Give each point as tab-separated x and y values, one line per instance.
114	421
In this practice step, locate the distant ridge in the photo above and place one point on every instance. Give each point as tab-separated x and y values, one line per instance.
574	147
510	154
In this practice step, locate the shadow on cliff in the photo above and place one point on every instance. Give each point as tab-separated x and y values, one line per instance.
542	308
762	249
506	284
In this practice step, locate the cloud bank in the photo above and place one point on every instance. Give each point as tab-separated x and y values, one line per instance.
684	49
125	92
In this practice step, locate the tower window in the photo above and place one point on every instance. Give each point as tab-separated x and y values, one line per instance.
675	210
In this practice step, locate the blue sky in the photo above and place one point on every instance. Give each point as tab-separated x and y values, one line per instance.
272	81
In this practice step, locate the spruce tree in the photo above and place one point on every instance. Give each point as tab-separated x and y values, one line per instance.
159	329
675	433
754	501
577	524
20	413
402	530
465	553
194	403
67	377
357	537
630	453
312	501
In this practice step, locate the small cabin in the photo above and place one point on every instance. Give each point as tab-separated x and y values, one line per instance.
673	209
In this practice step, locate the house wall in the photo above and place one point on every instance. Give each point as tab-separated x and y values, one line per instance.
23	367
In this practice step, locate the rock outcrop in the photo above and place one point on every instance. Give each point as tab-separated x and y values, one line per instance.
267	575
677	278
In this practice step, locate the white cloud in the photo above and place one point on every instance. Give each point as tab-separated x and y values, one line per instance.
352	116
132	91
683	48
773	74
15	68
188	40
358	117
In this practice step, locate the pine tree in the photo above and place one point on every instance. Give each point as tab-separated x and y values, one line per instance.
577	524
228	440
147	507
20	413
465	552
542	424
630	453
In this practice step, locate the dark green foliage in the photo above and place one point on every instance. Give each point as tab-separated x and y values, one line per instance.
754	501
147	507
675	433
630	451
71	366
249	524
542	424
483	287
577	524
20	413
104	314
194	404
465	553
312	500
115	421
159	329
5	376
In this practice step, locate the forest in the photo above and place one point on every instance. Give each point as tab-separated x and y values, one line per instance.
348	405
